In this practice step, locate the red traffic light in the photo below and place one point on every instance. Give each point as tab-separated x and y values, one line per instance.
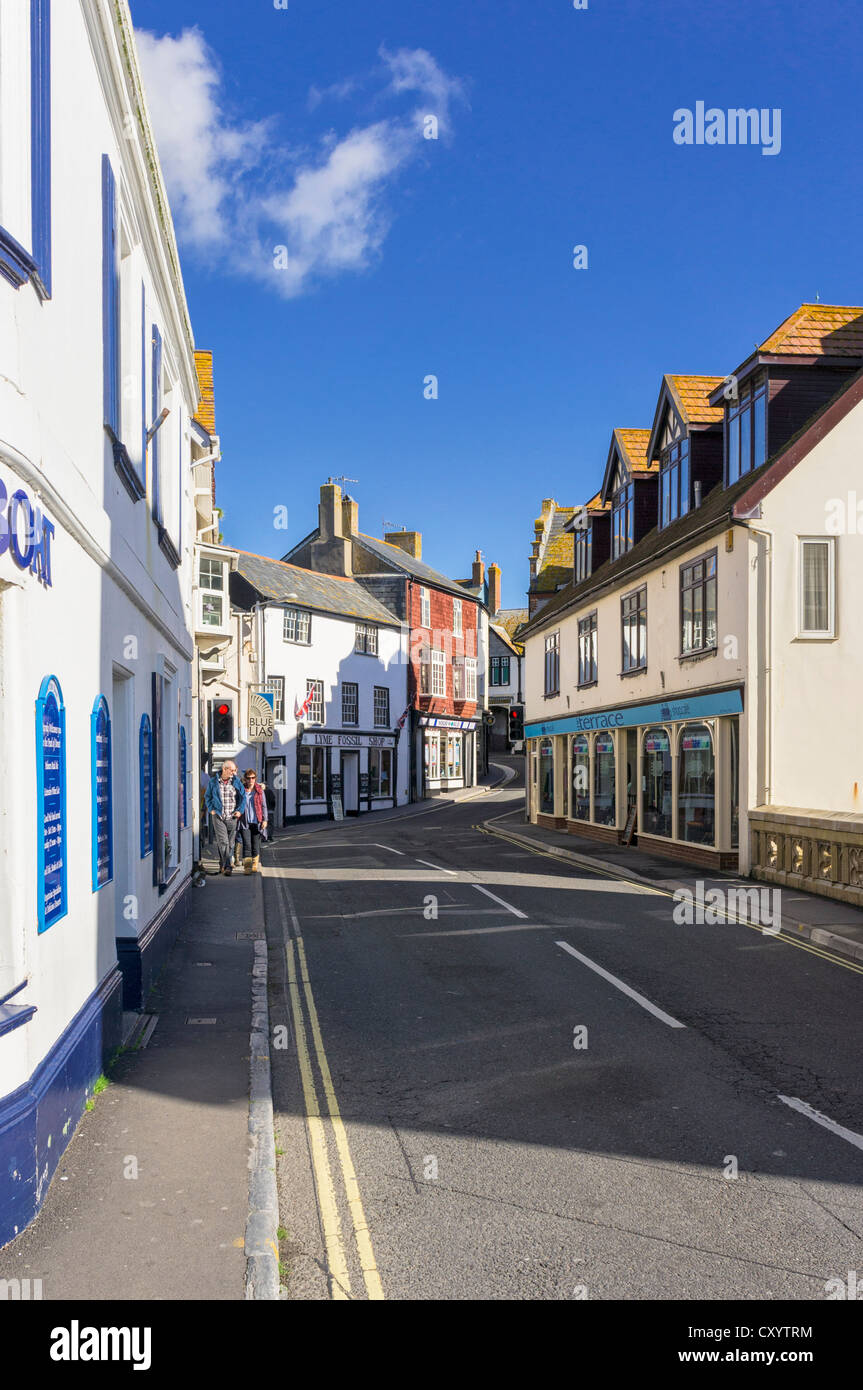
223	709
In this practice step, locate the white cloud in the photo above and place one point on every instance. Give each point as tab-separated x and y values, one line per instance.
230	182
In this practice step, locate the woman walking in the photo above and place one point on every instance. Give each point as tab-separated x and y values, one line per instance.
253	820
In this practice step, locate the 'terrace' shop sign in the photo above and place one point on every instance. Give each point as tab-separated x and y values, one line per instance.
26	533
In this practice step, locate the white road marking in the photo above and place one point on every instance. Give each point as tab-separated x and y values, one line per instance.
438	868
807	1110
373	845
618	984
509	907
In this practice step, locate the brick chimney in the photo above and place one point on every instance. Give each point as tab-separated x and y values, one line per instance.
331	552
494	589
478	571
409	541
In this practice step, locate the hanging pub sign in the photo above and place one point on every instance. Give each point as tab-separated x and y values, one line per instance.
261	716
51	802
102	792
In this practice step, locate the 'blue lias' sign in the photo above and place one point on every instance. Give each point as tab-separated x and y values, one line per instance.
51	802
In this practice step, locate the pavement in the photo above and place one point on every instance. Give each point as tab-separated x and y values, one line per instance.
151	1199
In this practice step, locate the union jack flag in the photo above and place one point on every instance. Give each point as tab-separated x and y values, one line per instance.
301	710
401	722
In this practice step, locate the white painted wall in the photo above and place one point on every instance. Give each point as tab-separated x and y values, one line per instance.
115	599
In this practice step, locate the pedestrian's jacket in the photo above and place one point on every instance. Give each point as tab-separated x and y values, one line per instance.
259	803
213	797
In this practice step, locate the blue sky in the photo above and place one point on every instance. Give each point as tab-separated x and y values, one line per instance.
408	257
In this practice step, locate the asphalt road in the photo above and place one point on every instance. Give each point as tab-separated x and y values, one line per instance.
497	1077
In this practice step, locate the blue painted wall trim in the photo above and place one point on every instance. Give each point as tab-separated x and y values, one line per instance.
14	1015
50	1105
51	698
40	147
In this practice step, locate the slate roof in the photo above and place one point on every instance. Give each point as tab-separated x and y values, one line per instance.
557	558
814	330
399	559
511	619
501	632
325	593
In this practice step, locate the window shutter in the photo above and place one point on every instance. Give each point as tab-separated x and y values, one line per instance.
110	298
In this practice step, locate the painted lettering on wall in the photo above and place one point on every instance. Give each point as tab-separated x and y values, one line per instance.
26	533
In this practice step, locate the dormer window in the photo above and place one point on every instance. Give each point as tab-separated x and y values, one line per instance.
674	474
746	430
583	547
622	514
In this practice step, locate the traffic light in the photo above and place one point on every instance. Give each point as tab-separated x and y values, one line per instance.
222	720
516	724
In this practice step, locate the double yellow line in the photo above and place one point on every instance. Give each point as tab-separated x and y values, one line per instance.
340	1279
803	944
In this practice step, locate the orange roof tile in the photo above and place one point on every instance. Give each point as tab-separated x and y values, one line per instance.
206	413
819	330
691	395
632	445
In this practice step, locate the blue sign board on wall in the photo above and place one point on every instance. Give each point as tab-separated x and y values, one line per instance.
145	761
667	711
51	803
102	794
184	786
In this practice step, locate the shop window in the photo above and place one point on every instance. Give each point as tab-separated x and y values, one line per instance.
633	618
734	753
604	810
380	771
580	778
816	601
698	606
312	773
696	811
587	664
656	782
350	702
546	777
432	756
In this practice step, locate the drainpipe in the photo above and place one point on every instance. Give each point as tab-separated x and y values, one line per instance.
767	700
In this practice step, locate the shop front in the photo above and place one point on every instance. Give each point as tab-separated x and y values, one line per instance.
447	753
665	775
345	772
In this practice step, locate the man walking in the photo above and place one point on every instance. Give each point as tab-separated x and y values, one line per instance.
223	800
